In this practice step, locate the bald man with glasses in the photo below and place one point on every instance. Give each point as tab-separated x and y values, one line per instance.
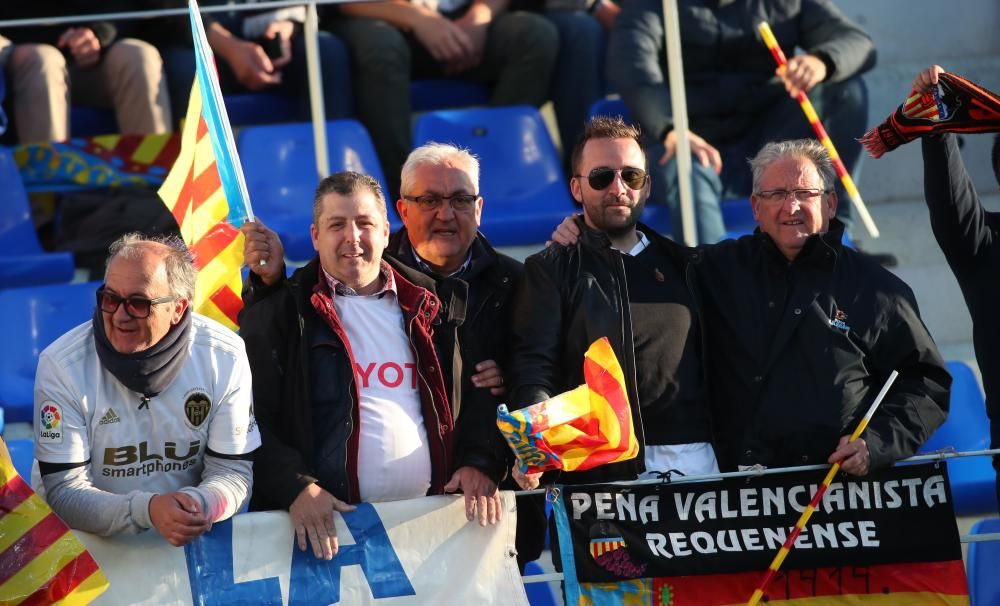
623	281
144	416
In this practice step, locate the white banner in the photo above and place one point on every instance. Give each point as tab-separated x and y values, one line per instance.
416	552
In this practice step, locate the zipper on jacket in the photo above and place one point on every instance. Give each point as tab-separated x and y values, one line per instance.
430	393
623	298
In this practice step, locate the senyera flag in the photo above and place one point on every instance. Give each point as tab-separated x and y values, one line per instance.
41	561
580	429
206	191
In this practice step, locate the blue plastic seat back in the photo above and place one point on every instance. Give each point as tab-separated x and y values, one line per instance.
521	178
967	427
984	582
17	232
91	121
429	95
22	453
34	318
280	167
610	107
539	594
972	479
259	108
22	260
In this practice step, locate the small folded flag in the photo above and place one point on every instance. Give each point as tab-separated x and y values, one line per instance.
580	429
41	561
955	105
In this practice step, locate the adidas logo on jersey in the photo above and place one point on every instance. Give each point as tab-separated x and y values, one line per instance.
109	418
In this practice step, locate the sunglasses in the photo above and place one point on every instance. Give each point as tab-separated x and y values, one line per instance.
136	307
601	178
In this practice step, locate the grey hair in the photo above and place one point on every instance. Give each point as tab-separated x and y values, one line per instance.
437	154
809	149
177	259
347	183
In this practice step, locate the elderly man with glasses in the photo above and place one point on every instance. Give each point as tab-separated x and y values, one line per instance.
622	281
143	416
802	332
441	210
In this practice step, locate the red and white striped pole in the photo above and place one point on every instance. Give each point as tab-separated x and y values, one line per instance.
845	178
814	503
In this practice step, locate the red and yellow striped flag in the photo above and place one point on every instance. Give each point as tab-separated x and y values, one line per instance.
41	561
194	194
580	429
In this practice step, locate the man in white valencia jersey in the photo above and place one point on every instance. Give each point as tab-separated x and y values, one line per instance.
144	416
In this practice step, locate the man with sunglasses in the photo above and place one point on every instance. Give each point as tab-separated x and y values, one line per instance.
622	281
143	416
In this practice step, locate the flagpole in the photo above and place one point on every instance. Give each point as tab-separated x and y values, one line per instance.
678	103
779	558
316	92
201	47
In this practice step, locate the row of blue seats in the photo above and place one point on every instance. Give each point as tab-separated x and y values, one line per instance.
522	181
36	316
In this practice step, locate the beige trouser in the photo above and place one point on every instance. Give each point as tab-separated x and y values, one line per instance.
129	79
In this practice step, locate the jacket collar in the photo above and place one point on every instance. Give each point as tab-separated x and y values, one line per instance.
820	250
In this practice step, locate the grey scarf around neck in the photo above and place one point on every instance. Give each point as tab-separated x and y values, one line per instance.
150	371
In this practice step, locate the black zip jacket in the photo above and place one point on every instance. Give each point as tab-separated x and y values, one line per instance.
969	236
798	351
303	376
570	297
484	294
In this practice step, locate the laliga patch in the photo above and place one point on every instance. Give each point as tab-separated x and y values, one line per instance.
50	425
196	407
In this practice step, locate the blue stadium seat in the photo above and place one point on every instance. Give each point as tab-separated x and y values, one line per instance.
973	480
23	454
22	260
91	121
430	95
259	108
539	594
521	180
34	318
610	107
280	167
984	582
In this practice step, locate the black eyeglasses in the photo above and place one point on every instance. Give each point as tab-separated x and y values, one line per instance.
780	195
459	202
137	307
601	178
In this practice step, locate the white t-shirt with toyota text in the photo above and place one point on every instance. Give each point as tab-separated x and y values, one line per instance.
393	460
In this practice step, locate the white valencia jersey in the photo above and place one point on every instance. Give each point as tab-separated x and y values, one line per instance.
82	412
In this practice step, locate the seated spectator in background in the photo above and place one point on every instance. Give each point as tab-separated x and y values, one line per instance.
801	332
394	41
736	101
354	355
50	68
578	79
969	236
143	417
256	51
573	295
